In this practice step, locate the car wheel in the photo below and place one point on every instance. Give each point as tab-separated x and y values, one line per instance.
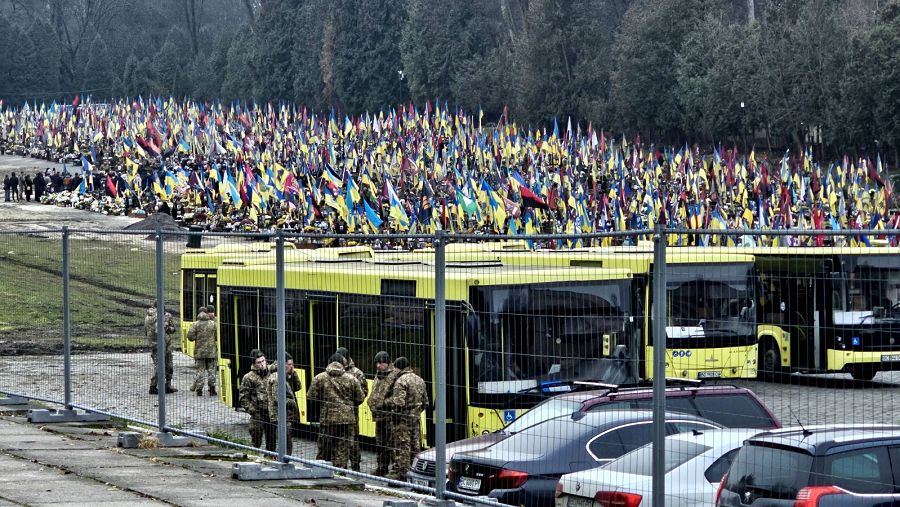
860	372
769	360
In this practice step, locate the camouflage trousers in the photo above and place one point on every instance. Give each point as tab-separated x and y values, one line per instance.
169	366
407	442
335	443
384	448
261	426
206	369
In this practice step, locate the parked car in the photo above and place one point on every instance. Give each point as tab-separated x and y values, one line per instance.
694	462
852	465
727	405
524	468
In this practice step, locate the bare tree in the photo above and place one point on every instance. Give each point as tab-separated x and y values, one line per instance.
75	22
193	10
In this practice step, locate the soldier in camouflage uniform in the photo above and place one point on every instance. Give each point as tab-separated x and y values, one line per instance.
292	385
339	395
169	329
406	401
206	351
355	454
383	382
254	398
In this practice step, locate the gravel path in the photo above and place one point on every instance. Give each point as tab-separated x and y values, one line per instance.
118	383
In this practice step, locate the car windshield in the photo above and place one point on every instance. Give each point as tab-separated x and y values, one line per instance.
769	472
554	407
640	461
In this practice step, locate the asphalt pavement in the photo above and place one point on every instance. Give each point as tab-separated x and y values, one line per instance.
81	464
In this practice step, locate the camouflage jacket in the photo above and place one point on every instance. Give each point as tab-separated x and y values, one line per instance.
339	394
254	394
203	333
150	327
383	383
407	396
292	385
360	376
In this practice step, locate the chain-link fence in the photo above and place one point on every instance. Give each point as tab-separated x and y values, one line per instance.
481	368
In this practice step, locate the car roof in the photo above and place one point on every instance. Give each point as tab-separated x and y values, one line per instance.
726	437
641	392
610	418
672	391
825	439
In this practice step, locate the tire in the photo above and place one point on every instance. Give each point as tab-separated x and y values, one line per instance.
769	364
860	372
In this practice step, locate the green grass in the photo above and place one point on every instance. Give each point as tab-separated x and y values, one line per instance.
228	437
111	285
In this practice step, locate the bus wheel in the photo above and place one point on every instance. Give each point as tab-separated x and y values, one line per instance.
861	372
769	360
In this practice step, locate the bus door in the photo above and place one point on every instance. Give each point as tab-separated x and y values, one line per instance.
323	339
246	305
799	298
455	359
239	335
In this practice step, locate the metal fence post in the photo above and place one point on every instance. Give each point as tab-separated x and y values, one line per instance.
659	366
67	322
440	366
280	346
161	344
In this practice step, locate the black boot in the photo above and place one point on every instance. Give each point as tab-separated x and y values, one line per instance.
170	389
153	389
212	391
200	392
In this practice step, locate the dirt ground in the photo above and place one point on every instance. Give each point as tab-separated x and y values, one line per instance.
36	216
39	220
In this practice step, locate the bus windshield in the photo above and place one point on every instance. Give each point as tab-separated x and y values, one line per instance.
525	337
711	304
873	290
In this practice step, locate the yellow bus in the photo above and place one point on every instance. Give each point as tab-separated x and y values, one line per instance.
841	306
514	333
198	279
712	327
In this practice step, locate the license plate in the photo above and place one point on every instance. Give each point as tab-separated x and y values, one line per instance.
469	483
709	374
890	357
419	482
579	501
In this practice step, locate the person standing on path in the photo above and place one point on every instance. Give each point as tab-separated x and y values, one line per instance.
339	395
153	340
206	351
384	380
254	399
292	385
355	453
406	401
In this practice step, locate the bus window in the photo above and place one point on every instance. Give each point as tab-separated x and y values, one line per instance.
524	335
872	287
395	324
198	289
